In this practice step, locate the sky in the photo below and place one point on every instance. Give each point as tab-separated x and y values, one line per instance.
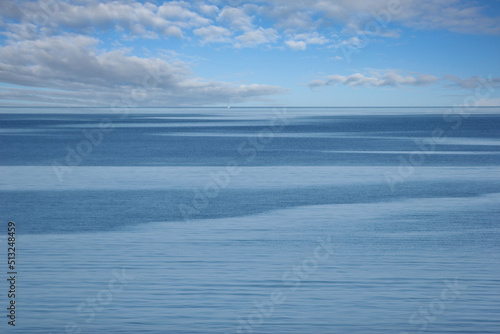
250	53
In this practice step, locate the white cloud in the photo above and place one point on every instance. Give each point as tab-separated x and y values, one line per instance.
301	41
353	41
473	82
212	34
236	18
364	15
209	10
453	15
71	68
495	102
312	38
317	83
391	79
296	45
256	37
134	17
288	18
179	13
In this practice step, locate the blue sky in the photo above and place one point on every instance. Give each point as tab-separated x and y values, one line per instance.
250	53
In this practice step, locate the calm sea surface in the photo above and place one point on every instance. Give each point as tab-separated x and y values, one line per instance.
280	220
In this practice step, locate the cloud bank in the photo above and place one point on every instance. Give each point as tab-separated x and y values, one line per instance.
389	79
394	78
69	69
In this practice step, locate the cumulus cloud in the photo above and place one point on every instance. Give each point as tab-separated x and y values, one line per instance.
209	10
301	41
296	45
181	18
211	34
71	68
133	17
473	82
288	18
389	79
453	15
236	18
180	13
256	37
363	15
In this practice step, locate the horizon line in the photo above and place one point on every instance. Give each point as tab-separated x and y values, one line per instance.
242	107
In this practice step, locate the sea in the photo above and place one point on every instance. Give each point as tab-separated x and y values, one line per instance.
250	220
